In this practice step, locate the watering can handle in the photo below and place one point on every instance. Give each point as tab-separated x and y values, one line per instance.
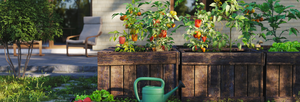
145	78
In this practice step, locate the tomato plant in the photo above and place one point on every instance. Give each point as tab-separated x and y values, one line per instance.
249	26
198	28
158	23
275	14
229	13
134	25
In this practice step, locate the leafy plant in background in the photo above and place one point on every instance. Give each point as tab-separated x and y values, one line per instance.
228	12
157	23
26	21
199	28
218	40
248	36
275	14
133	24
285	47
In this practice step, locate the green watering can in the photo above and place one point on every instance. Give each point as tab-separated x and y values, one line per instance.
153	93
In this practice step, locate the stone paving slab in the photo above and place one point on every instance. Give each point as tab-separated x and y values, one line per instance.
53	63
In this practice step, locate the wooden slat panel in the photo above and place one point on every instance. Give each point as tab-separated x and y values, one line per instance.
169	77
227	81
240	80
129	78
254	80
103	77
296	80
262	80
200	81
290	58
214	81
225	99
285	83
109	57
272	79
253	58
156	71
116	80
142	71
188	80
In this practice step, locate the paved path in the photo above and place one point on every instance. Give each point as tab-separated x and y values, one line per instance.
53	63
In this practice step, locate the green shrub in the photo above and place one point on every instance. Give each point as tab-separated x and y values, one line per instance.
285	47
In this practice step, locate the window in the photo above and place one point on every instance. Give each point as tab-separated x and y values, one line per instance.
72	11
186	7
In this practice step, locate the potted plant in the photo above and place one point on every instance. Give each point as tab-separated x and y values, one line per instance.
118	68
210	74
282	57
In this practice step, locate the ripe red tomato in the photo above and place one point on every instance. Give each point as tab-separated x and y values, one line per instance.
164	33
122	40
204	38
151	39
198	22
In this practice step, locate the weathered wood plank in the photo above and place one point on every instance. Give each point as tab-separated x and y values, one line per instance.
296	80
116	80
214	81
188	78
142	71
200	81
156	71
109	57
169	77
285	83
129	78
224	99
254	80
222	58
103	77
290	58
241	81
227	81
272	80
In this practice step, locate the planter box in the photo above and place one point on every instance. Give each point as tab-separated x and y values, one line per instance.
219	75
117	71
282	76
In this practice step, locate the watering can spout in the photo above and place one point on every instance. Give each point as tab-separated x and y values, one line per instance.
166	96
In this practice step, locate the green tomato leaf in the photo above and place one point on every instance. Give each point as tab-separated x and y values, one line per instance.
291	16
115	14
279	9
240	36
293	30
215	43
213	4
274	25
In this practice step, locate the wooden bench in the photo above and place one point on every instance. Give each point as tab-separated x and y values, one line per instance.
27	44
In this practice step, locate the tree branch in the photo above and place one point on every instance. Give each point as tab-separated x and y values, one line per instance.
9	62
28	57
19	58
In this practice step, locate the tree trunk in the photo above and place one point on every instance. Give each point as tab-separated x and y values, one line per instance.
28	57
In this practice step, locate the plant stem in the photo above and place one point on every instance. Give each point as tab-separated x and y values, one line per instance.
230	44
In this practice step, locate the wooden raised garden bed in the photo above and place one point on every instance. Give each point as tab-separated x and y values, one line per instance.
282	76
219	75
117	71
